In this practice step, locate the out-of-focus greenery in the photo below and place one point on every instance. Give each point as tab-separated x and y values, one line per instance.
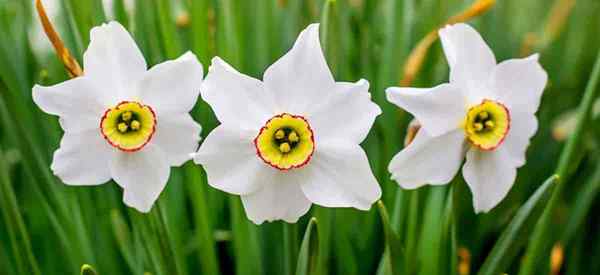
49	228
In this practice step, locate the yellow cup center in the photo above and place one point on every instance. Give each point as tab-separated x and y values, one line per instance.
487	124
129	126
285	142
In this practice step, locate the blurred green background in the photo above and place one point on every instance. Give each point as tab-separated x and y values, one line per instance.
50	228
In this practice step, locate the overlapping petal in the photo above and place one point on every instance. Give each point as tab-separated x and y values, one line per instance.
237	99
114	61
523	127
345	112
142	175
471	60
177	136
489	175
229	158
82	158
172	87
429	160
519	83
78	102
301	77
439	110
340	176
280	198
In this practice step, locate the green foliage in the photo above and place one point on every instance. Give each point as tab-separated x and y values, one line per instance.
49	228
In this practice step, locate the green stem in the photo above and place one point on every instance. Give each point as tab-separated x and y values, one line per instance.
290	247
539	244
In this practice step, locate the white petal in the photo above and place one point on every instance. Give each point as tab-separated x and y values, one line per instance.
339	175
78	102
489	175
522	128
439	110
172	87
429	160
471	60
229	157
519	83
235	98
301	77
280	199
83	158
113	60
178	137
346	112
142	174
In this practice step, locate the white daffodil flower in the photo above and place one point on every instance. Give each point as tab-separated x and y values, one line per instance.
487	112
291	139
122	121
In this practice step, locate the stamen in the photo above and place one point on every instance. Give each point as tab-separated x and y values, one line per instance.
483	115
135	125
478	126
126	116
280	134
122	127
129	126
293	137
285	142
285	147
487	124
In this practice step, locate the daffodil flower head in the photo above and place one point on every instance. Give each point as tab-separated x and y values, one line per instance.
123	121
292	139
486	112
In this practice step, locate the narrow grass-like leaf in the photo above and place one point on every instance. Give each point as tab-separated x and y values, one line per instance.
511	240
430	239
124	239
195	184
245	241
121	13
168	247
199	30
393	246
290	247
20	242
308	258
589	192
539	244
167	28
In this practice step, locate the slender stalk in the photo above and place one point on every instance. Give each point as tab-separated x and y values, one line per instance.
290	247
539	245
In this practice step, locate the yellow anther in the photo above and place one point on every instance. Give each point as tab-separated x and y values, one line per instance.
293	137
126	116
484	115
135	125
478	126
280	134
122	127
285	147
489	124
